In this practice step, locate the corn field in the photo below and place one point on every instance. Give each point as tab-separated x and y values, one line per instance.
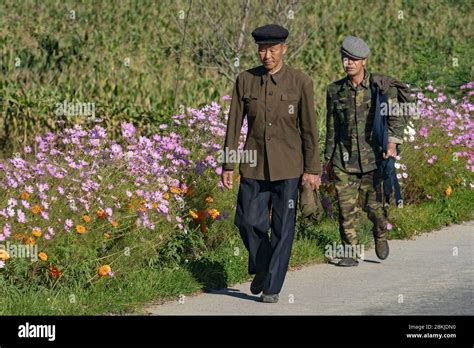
142	61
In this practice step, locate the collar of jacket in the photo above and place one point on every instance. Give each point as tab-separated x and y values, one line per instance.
277	77
364	83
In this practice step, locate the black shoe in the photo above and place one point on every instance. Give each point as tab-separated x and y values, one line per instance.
348	262
386	207
257	283
269	298
381	249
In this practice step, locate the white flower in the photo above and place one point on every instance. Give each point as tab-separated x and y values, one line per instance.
12	202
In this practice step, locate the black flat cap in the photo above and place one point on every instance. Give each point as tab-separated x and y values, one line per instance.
270	33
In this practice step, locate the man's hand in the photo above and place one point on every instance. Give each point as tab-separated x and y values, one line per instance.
312	180
391	151
227	177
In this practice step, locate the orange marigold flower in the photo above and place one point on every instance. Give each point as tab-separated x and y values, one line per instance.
448	190
4	255
36	209
25	195
36	232
80	229
190	191
29	241
201	215
214	213
101	213
193	214
106	235
54	272
154	205
86	218
166	195
209	199
175	190
43	256
114	223
103	270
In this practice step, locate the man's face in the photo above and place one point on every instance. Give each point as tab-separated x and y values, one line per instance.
271	54
353	66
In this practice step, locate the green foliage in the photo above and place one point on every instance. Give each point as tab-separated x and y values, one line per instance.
85	58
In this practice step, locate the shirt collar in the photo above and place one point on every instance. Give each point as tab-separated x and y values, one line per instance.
364	83
277	77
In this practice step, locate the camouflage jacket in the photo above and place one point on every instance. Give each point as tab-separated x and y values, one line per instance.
350	142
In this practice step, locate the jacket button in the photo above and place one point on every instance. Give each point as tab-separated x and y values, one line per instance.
270	124
270	93
269	109
268	138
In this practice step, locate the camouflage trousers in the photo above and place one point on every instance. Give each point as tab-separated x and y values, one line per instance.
356	192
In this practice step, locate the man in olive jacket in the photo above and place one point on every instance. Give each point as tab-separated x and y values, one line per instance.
282	133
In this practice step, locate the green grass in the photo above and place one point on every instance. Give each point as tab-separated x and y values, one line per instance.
430	215
130	293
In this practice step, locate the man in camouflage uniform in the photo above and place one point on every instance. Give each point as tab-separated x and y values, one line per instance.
352	153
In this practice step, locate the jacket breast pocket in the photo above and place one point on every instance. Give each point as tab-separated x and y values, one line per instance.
289	104
251	104
341	114
343	123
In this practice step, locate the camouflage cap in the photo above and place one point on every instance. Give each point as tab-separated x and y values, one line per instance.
354	47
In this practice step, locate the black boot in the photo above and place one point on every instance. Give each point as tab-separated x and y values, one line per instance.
381	248
257	283
348	262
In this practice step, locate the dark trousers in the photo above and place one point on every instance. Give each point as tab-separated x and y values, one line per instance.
268	254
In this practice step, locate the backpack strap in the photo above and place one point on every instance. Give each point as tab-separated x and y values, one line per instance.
380	126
